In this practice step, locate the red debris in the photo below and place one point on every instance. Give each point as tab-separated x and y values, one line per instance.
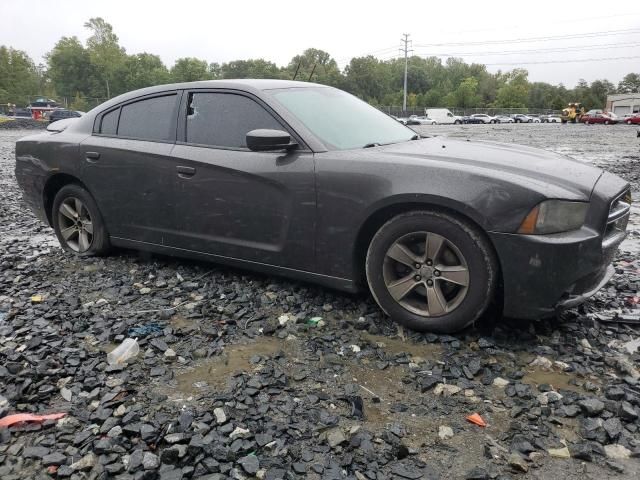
477	420
28	417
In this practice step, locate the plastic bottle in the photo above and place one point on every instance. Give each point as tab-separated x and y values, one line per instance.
123	352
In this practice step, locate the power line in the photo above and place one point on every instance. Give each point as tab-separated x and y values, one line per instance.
536	39
538	50
381	51
559	22
608	59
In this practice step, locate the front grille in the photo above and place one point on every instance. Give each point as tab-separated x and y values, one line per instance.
617	220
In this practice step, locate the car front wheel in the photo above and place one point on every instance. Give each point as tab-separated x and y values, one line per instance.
431	271
78	223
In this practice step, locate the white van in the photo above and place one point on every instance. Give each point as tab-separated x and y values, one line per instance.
442	115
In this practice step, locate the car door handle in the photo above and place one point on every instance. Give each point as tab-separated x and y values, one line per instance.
185	172
92	155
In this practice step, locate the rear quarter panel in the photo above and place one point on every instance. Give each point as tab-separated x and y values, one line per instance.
40	157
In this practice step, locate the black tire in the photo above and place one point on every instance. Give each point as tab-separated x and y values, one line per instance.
98	239
477	257
606	122
457	122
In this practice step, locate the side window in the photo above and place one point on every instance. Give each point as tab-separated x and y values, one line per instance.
224	119
150	119
109	122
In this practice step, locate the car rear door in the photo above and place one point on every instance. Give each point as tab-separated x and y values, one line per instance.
233	202
128	168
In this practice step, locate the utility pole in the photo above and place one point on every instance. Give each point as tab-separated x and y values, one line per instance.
406	51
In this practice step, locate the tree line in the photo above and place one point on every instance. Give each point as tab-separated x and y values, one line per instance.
89	73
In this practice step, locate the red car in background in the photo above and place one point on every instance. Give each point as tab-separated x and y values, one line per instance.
632	119
588	118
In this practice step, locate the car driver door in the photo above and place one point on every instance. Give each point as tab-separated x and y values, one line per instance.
234	202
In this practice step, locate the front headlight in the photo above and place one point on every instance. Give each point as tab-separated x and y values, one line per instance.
554	216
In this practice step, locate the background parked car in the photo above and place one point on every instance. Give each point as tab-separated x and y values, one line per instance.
632	119
588	118
535	118
484	118
422	120
471	119
504	119
21	113
61	114
522	118
550	118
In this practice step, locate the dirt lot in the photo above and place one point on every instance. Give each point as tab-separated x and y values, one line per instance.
241	375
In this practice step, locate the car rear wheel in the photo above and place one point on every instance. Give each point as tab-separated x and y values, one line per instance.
606	122
628	122
431	271
78	223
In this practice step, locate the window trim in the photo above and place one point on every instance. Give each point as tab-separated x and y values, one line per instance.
97	124
181	131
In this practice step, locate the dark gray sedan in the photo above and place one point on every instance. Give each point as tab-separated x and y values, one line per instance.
309	182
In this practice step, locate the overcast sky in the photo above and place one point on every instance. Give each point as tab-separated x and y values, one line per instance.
278	30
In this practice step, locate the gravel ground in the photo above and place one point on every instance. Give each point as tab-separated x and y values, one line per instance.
242	376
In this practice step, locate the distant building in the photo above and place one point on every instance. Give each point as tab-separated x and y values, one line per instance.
623	103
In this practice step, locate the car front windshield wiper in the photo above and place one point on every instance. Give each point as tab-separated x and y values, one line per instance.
416	137
373	144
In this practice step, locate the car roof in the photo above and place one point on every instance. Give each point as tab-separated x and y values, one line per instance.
242	84
254	85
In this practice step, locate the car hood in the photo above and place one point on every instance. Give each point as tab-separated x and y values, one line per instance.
530	164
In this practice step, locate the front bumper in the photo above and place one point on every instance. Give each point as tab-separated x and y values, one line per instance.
543	274
570	301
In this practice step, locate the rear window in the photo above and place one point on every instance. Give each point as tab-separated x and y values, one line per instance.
109	122
150	119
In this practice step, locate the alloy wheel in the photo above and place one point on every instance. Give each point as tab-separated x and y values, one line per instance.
426	274
76	226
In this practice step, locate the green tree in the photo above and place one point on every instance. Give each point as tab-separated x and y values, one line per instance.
19	79
368	78
190	69
142	70
599	89
257	68
316	66
514	93
630	83
466	95
69	67
79	103
106	54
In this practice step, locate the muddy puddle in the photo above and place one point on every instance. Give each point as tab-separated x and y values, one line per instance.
183	324
397	346
557	380
213	373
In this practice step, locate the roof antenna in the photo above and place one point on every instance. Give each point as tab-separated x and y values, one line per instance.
297	68
312	71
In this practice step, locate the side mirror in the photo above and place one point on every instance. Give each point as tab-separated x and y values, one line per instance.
263	140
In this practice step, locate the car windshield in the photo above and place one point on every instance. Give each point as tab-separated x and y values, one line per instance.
341	120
